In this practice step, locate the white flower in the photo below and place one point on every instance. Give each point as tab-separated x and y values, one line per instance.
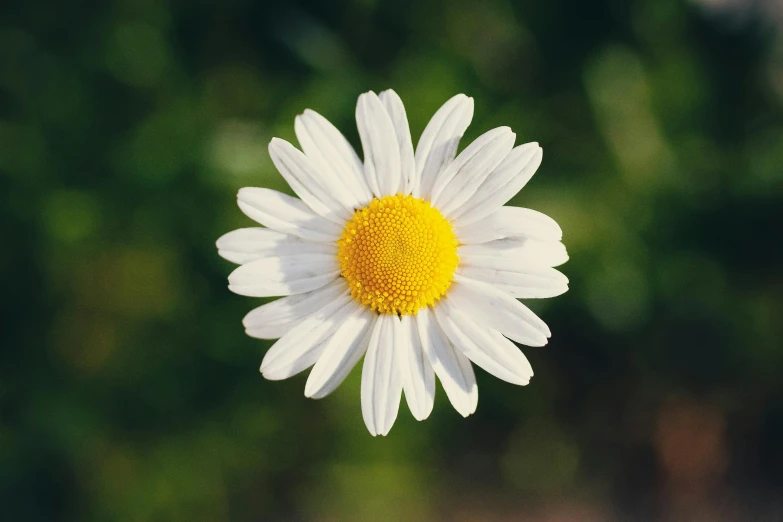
409	259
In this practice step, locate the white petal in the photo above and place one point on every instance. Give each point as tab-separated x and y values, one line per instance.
498	310
522	282
439	141
284	275
510	222
248	244
381	382
325	198
329	149
454	185
502	184
342	353
501	359
502	253
505	344
275	319
418	379
300	348
379	142
451	366
396	110
284	213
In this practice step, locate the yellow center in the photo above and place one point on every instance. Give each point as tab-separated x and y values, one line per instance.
398	254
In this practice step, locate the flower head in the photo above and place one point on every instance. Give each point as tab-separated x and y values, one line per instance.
408	259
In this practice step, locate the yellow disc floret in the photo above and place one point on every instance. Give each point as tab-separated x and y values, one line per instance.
398	254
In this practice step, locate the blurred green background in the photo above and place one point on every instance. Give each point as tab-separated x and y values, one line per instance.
129	391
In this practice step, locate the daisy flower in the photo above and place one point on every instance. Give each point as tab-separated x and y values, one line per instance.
409	259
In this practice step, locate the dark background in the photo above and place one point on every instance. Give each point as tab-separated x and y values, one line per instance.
129	391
